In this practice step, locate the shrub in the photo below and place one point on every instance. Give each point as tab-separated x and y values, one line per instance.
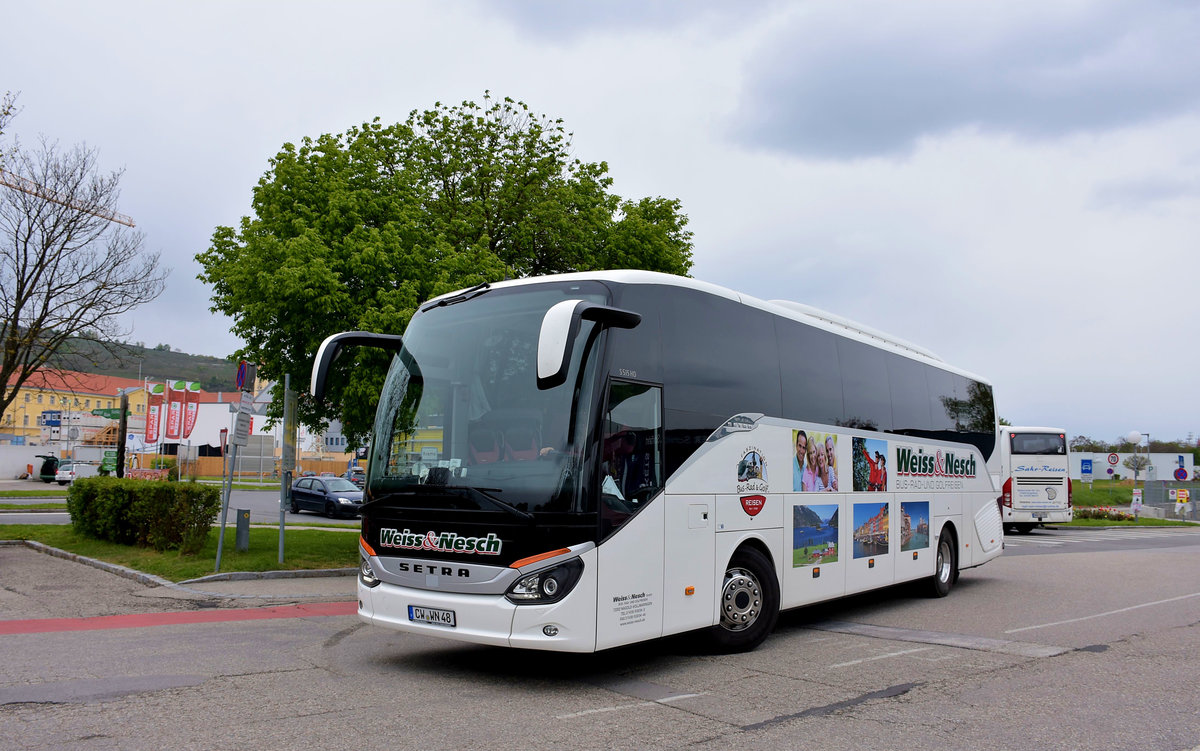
159	515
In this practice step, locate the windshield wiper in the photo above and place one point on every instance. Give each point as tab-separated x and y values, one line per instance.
463	296
503	506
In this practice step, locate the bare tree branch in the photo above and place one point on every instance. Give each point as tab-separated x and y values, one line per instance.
66	270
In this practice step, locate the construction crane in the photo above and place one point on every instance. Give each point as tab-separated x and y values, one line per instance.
16	182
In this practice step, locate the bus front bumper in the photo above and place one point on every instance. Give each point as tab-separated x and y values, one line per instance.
565	626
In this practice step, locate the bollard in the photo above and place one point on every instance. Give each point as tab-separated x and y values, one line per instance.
242	540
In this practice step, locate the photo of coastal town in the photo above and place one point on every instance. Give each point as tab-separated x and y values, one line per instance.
814	534
914	525
870	529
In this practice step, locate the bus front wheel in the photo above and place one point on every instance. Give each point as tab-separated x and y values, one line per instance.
749	602
946	570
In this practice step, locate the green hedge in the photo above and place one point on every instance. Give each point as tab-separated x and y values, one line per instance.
159	515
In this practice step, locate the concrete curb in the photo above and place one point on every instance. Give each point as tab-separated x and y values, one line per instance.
151	580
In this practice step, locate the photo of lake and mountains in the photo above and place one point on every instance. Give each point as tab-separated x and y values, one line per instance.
814	534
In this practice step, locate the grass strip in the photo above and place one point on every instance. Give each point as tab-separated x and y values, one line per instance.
303	549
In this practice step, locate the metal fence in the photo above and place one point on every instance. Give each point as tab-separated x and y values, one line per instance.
1157	493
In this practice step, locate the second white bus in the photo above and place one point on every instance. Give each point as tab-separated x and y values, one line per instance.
1032	469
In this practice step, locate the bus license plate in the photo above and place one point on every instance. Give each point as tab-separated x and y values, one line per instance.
431	615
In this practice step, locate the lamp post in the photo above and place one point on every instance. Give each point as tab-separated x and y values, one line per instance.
1135	437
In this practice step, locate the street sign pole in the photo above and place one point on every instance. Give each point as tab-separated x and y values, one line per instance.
287	456
240	436
227	489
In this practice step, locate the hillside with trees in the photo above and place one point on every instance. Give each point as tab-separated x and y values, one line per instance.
153	363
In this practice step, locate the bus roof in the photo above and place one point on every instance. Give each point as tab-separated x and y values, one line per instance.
784	308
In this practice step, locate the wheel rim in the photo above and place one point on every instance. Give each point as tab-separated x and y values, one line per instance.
943	562
741	600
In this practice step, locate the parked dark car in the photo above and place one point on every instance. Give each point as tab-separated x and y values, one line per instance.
49	467
331	496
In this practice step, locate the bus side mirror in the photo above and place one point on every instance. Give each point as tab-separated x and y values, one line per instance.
333	346
560	326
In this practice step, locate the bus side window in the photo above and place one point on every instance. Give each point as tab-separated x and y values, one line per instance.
632	449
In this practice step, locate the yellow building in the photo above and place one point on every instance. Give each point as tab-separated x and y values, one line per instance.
30	419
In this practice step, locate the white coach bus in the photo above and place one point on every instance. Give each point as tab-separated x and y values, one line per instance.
1032	468
583	461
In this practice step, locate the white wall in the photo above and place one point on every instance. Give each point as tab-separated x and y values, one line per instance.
1163	466
14	458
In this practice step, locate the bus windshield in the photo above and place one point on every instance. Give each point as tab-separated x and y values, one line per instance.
461	422
1039	444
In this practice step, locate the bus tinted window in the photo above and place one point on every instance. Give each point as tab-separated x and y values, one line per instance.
719	356
910	394
637	352
1039	443
943	395
865	389
810	372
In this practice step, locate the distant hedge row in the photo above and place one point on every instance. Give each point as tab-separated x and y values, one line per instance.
159	515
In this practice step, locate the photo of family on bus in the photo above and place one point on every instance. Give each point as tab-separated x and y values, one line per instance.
814	463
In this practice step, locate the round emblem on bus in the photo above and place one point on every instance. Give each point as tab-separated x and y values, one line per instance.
1051	493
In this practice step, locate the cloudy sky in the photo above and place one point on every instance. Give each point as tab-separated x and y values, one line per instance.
1013	185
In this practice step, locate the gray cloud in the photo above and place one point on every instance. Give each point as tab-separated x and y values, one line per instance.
566	21
1134	195
846	85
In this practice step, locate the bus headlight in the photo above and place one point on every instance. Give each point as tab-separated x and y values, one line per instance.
546	586
366	574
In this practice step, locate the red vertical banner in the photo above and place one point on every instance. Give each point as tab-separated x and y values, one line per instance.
175	395
154	401
192	408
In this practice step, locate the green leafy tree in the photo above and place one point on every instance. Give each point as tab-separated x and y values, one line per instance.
1137	463
353	231
1082	443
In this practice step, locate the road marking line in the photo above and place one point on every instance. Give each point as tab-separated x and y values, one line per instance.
186	617
881	657
942	638
1101	615
618	708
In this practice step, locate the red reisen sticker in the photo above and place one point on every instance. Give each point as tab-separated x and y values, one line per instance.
752	504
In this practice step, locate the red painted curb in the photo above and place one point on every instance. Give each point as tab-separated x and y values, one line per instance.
150	620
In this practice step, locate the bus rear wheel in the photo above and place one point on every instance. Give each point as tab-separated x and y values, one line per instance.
749	602
946	570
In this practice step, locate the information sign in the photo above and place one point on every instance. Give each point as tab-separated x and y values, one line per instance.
1183	499
1085	468
241	429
